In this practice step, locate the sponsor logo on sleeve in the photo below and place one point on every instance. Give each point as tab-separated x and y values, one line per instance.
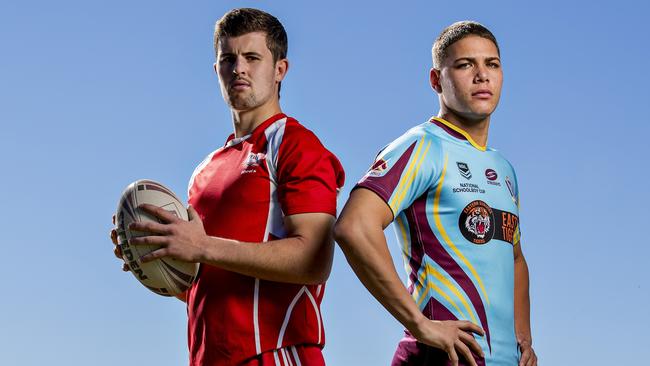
378	168
463	169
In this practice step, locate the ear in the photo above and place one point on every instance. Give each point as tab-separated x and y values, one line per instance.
434	80
215	67
281	69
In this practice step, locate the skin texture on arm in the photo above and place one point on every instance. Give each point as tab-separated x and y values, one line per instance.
303	257
360	234
522	310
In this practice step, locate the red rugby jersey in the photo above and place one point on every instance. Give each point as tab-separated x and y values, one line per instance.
242	191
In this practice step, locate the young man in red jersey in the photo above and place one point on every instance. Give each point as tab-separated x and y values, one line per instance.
261	211
467	299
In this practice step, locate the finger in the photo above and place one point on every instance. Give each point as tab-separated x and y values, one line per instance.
117	251
149	227
125	267
114	236
162	214
191	213
158	253
148	240
533	359
525	357
471	342
469	326
453	357
465	352
113	219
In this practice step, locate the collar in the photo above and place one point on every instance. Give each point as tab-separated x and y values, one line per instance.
231	141
456	131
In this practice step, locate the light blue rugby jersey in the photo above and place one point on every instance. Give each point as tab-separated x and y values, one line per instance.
456	213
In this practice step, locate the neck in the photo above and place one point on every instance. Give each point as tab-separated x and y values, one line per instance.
245	121
476	128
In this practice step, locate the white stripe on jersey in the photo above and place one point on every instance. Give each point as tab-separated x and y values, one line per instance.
274	221
287	316
315	305
277	359
285	356
295	355
256	322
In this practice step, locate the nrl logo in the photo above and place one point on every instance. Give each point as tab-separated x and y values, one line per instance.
463	168
476	222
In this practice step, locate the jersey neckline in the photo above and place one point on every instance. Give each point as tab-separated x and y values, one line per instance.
456	132
231	141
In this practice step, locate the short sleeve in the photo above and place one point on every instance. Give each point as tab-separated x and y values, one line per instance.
403	170
309	176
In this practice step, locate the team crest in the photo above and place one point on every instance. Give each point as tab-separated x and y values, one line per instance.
254	159
463	168
476	222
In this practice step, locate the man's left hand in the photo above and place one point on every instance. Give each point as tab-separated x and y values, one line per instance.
528	357
176	237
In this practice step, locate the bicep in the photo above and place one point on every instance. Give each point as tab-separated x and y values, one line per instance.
313	227
365	207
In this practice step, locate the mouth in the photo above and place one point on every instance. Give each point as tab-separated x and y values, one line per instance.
482	94
240	84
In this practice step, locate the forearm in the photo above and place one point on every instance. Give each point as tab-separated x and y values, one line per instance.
367	253
284	260
522	303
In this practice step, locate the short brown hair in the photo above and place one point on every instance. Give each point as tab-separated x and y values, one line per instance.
241	21
456	32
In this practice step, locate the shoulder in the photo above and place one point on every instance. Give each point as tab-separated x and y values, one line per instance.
421	140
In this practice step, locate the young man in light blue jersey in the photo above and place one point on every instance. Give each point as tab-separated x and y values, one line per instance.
455	204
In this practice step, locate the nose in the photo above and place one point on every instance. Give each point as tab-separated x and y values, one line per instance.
481	74
239	67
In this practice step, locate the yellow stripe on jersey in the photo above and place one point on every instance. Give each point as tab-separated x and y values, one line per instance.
443	232
460	131
405	184
405	243
453	289
434	287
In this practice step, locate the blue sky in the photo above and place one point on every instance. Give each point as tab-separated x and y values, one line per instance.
96	94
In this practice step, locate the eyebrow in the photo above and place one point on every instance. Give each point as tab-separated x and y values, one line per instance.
251	53
473	59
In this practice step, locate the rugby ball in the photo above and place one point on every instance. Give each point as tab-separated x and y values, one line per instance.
164	276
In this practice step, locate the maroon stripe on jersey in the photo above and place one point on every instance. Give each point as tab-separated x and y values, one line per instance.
447	129
437	252
417	248
385	185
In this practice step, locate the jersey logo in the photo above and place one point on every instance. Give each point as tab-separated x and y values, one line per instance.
254	159
463	168
491	174
476	222
378	167
511	188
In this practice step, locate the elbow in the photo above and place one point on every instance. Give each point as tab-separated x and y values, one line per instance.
344	233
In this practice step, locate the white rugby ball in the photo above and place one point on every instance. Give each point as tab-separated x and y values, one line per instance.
164	276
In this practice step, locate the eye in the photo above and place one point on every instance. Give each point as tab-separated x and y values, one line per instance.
464	65
252	58
226	59
494	65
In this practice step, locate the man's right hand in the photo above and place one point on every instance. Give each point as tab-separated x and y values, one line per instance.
452	336
116	250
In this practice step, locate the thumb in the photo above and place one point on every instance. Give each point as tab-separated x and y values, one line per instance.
191	213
